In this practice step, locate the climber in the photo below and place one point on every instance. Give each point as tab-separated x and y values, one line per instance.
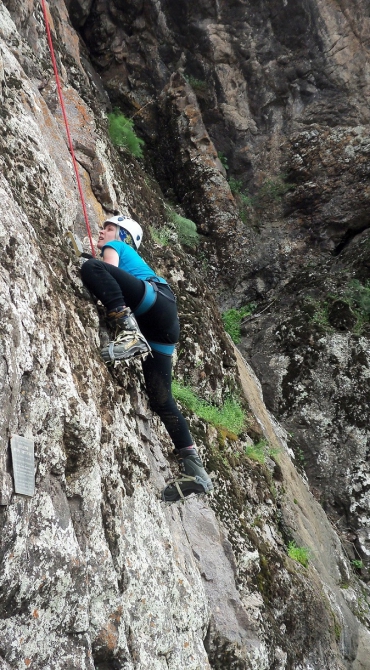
141	307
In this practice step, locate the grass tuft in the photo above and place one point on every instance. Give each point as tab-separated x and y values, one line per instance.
232	320
229	416
160	235
299	554
259	451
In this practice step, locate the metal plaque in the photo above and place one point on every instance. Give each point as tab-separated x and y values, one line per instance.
23	455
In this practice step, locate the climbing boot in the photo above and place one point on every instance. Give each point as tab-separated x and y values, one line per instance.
122	319
130	342
193	479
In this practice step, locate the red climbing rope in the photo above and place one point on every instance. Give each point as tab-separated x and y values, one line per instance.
61	100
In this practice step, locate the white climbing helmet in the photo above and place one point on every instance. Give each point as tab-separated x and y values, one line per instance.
129	225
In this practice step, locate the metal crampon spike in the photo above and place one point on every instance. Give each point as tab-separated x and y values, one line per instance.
183	501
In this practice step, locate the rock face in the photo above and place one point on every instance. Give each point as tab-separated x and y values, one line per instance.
95	572
281	90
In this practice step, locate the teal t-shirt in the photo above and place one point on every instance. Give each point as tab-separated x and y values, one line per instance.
131	262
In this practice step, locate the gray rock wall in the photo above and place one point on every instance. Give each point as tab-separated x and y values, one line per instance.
95	573
282	91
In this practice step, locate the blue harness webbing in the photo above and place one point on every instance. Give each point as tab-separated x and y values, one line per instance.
148	299
145	304
166	349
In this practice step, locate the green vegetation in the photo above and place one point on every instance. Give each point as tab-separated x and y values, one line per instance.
243	199
232	320
235	186
223	160
299	554
321	314
256	452
122	133
299	455
358	564
356	296
337	628
230	415
259	451
160	235
203	260
196	84
271	191
185	228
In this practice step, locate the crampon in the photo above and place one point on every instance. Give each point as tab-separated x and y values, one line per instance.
194	480
178	496
128	344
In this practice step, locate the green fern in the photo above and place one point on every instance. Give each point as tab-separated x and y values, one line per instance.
122	133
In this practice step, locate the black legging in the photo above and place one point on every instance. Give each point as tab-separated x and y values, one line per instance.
115	288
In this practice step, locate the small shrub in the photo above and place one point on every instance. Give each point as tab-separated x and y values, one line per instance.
360	294
259	451
230	415
358	564
122	133
243	199
246	200
196	84
256	452
160	235
223	160
320	313
299	554
273	189
232	320
185	228
235	185
357	297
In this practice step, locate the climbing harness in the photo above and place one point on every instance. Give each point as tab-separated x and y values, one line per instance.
156	284
150	296
148	299
64	113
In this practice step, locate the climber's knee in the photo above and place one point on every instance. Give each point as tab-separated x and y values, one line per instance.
90	266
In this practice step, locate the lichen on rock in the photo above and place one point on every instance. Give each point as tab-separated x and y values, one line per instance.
96	573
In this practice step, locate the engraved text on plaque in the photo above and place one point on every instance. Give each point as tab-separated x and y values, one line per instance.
23	456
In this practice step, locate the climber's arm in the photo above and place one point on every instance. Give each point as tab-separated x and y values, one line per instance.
110	256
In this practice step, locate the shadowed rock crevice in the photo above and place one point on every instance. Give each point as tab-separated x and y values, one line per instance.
348	237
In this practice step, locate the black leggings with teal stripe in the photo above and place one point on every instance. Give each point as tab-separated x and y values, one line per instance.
115	288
